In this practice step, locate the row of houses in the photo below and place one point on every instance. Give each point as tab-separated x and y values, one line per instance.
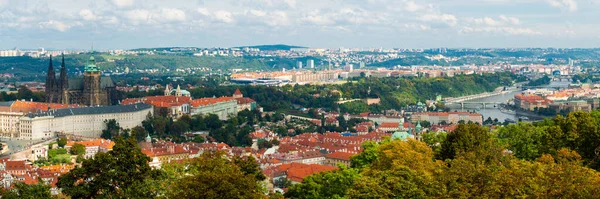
181	104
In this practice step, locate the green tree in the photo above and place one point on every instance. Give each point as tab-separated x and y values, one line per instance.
119	173
367	156
524	139
466	138
140	133
78	149
324	185
112	129
212	175
25	191
62	142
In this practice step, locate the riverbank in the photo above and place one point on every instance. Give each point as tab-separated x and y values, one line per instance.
497	91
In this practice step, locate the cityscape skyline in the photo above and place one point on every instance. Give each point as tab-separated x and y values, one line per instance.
128	24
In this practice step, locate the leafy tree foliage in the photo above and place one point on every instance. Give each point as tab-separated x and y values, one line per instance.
325	185
466	138
119	173
212	175
62	142
112	129
78	149
25	191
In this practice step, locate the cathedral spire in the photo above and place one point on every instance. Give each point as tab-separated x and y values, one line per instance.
64	82
50	82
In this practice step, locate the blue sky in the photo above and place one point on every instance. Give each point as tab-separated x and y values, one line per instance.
124	24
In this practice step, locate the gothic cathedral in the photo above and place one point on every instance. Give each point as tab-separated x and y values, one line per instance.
91	90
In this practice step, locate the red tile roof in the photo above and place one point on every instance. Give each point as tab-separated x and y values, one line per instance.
108	144
389	125
339	155
209	101
298	171
159	101
237	92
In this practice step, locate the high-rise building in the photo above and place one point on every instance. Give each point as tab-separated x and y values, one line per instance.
299	65
310	63
571	62
362	65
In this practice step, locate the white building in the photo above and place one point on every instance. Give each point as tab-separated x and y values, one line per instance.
221	106
310	63
299	65
86	121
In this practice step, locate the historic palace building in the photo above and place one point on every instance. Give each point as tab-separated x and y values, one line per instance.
91	90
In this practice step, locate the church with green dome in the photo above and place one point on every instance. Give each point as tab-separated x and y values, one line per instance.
92	89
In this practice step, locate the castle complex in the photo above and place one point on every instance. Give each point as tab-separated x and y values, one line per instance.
91	90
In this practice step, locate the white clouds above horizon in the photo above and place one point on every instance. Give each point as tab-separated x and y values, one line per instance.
310	22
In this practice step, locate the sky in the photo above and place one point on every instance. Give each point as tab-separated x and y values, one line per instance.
127	24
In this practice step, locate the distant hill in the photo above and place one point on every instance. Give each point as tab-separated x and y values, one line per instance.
273	47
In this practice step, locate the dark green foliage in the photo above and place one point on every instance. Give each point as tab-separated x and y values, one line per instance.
78	149
545	80
116	174
62	142
25	191
112	129
466	138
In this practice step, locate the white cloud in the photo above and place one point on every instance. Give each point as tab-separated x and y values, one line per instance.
502	20
87	15
56	25
411	6
447	19
290	3
569	5
171	14
259	13
500	30
318	20
203	11
512	20
3	3
223	16
138	16
123	3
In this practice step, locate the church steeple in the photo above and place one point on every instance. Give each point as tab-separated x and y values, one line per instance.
64	81
167	90
178	91
50	83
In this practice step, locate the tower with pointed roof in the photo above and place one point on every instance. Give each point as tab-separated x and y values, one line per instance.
178	91
167	90
64	83
91	90
238	94
51	84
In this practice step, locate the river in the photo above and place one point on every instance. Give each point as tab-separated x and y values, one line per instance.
494	112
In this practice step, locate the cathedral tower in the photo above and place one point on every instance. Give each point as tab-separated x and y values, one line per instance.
51	84
92	92
64	83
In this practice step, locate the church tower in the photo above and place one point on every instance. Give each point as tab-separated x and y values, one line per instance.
92	93
50	84
167	90
64	83
178	91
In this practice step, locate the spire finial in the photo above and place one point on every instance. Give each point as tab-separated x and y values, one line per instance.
92	47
